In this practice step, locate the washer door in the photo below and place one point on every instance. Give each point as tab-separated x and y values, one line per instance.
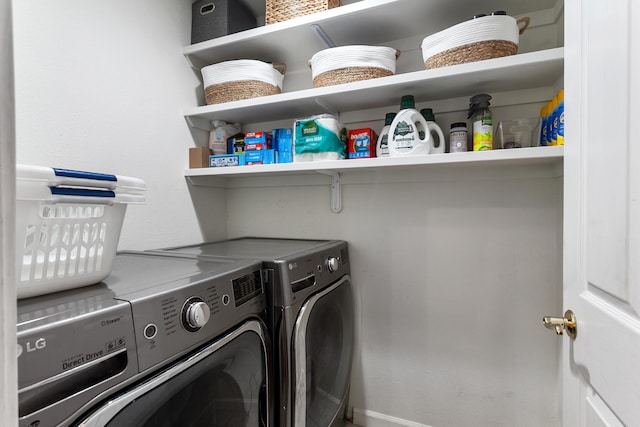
224	384
322	355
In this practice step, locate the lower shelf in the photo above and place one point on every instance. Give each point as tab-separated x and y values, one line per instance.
543	162
484	159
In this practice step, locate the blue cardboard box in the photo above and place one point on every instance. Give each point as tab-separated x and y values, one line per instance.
260	157
283	143
223	160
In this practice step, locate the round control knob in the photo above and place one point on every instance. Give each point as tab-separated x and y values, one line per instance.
195	314
198	314
332	264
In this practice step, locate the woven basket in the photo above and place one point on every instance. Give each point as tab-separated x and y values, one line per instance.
471	53
474	40
282	10
348	75
237	90
241	79
346	64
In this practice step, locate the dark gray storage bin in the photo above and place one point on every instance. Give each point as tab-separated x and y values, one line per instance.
216	18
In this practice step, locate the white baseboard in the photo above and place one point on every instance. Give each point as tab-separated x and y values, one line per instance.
364	417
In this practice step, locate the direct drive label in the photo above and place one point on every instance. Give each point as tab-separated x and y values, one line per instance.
80	359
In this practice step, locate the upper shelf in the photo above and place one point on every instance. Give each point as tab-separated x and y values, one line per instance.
523	71
369	22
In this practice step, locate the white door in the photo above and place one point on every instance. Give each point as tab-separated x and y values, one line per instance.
602	213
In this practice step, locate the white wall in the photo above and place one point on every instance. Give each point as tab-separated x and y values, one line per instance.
452	268
452	276
100	86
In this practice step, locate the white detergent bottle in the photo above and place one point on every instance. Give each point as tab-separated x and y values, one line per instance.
382	148
408	133
436	133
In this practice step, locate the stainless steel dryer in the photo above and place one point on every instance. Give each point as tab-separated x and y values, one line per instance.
311	319
161	342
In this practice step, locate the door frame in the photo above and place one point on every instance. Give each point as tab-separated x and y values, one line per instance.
8	359
573	411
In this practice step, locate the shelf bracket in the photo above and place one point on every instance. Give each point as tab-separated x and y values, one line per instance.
327	108
191	64
198	123
320	33
336	190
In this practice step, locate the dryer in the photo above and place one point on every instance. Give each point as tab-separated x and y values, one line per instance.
160	342
311	320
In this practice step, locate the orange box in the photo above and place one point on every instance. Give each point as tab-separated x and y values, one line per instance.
362	143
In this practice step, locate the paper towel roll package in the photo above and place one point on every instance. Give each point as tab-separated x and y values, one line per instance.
319	138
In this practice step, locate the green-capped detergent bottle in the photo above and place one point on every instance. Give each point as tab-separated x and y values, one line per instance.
436	132
408	133
382	147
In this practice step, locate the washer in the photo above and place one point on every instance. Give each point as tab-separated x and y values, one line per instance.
161	342
311	319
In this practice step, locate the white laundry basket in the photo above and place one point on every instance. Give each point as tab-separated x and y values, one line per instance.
68	226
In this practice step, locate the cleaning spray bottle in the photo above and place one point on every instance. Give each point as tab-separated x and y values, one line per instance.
382	147
482	120
408	135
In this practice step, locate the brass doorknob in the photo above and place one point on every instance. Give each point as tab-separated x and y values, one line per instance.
567	323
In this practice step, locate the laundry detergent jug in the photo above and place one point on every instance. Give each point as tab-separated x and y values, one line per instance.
409	133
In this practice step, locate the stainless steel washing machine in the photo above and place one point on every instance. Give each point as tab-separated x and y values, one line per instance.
311	320
161	342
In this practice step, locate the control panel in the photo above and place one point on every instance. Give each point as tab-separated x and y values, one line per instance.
247	287
309	272
176	320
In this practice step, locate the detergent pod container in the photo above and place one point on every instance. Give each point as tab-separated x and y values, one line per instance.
409	133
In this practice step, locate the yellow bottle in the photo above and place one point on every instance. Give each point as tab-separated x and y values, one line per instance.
554	121
560	120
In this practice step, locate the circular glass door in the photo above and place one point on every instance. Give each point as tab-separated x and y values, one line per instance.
223	384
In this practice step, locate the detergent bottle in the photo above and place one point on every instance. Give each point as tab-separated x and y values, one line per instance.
382	147
436	133
543	125
560	138
408	133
